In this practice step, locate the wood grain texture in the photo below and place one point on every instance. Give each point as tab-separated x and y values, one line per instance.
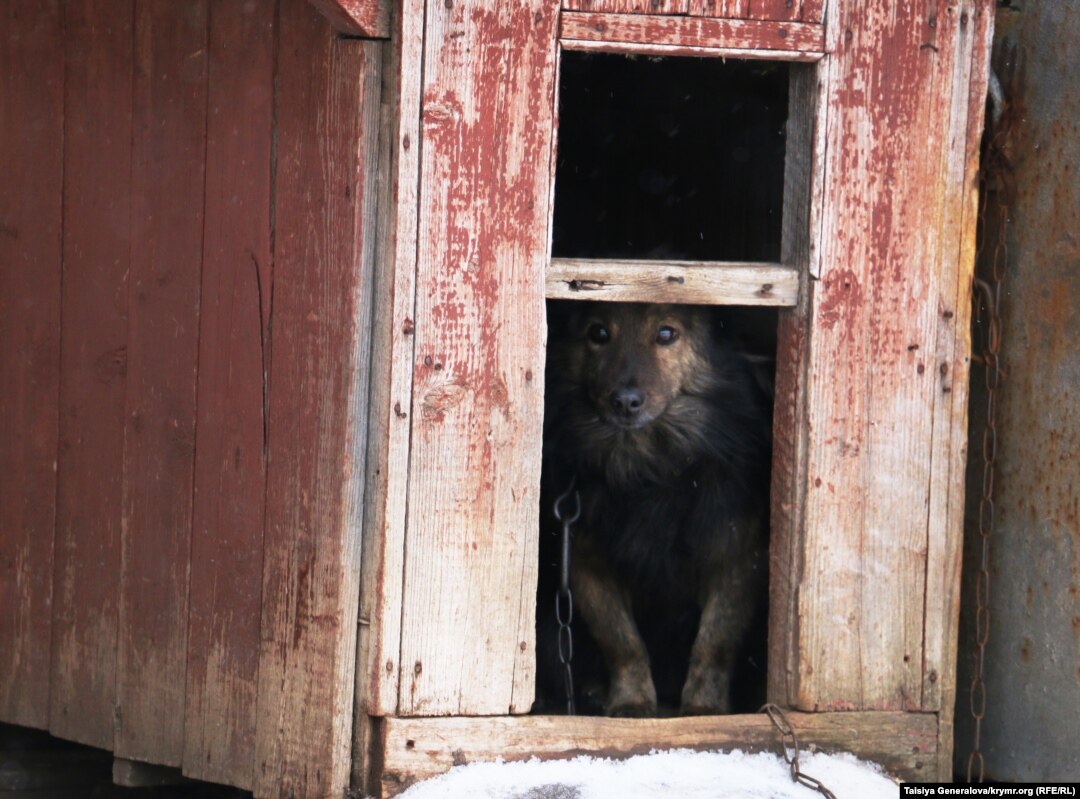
956	267
683	51
168	158
802	164
31	144
97	260
629	6
327	112
414	749
369	19
470	575
873	380
694	282
732	34
809	10
225	596
383	556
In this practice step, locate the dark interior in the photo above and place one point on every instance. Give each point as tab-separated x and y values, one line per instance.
670	158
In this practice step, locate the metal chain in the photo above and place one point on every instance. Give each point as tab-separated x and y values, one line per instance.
995	176
790	749
564	598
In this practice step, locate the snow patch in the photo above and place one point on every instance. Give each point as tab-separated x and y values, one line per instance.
681	774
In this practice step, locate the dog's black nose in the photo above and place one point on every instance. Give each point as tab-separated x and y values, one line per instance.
627	401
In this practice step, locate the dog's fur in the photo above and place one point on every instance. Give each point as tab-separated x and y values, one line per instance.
664	429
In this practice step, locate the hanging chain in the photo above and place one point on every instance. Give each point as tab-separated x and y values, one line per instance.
995	177
564	598
790	748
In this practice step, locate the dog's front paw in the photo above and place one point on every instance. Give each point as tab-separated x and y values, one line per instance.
705	694
632	696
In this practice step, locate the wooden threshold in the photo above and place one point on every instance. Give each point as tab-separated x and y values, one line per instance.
413	749
692	282
782	40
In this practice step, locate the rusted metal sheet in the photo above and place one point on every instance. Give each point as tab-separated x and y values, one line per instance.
97	256
1032	661
474	471
879	314
225	596
31	135
327	112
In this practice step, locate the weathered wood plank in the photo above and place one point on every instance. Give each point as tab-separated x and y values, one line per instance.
874	318
415	749
945	529
369	19
225	596
468	621
383	557
327	115
801	174
796	37
629	6
168	158
747	9
672	281
678	51
31	146
96	242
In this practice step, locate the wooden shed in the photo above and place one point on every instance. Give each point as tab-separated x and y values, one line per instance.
272	342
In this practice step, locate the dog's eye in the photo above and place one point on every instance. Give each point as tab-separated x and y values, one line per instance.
666	335
598	334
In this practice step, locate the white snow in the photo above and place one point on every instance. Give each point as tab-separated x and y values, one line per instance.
679	774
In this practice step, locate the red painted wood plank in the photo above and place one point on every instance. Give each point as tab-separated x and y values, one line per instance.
774	9
317	419
468	621
225	609
31	143
367	18
629	6
873	381
168	152
97	211
692	32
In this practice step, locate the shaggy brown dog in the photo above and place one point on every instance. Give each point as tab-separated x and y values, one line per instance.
665	430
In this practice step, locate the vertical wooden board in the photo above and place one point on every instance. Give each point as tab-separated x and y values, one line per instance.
31	146
225	596
327	108
812	11
874	329
945	531
801	163
468	609
168	159
96	243
383	556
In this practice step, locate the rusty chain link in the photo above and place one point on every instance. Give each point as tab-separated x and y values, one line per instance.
994	177
564	597
789	745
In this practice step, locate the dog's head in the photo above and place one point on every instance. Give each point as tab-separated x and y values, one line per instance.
634	360
640	391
